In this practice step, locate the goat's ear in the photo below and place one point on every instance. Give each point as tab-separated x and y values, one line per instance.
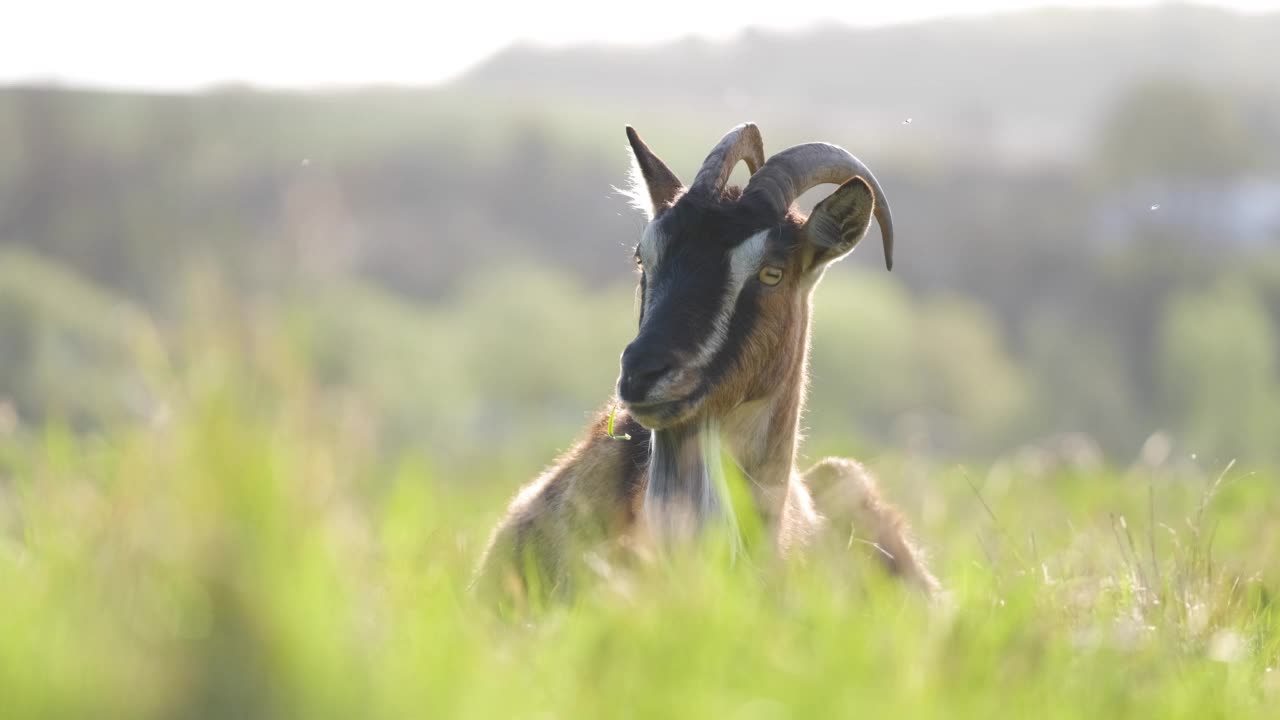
651	178
837	223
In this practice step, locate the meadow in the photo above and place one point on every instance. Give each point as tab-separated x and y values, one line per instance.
246	554
272	364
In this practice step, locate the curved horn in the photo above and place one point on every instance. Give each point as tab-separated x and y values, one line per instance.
791	172
741	143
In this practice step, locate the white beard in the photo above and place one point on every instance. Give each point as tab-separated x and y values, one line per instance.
687	491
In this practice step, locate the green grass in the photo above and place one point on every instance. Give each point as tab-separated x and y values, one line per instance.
251	557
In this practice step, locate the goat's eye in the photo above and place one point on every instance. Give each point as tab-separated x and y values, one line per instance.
770	275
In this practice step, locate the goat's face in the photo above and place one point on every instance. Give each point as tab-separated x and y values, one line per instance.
725	278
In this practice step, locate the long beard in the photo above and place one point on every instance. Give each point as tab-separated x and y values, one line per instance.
687	491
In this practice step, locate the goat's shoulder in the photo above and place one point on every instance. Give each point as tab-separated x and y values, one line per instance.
592	492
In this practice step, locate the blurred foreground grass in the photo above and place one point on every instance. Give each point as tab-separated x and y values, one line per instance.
246	555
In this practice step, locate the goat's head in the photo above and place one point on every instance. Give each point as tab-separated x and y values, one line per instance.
726	273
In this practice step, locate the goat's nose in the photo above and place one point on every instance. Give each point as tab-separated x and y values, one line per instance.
642	366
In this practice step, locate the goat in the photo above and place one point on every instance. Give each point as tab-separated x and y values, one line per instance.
726	277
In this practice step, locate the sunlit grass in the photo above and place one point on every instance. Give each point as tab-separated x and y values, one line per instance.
246	558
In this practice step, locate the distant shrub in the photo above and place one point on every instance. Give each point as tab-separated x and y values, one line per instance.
69	349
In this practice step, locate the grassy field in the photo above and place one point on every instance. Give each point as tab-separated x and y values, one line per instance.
251	557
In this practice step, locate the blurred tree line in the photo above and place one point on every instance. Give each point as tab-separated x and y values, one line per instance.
452	269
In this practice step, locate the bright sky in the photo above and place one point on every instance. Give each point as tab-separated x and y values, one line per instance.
169	44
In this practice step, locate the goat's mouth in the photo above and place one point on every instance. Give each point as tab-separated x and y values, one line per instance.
667	401
665	413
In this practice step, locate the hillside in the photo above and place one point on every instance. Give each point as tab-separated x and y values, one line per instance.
1022	81
1060	192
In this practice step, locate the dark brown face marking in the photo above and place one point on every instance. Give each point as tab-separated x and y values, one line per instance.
701	283
725	277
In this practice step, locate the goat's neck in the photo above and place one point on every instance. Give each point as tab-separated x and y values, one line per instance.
762	436
686	480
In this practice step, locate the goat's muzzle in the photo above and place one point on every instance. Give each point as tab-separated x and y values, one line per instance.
644	365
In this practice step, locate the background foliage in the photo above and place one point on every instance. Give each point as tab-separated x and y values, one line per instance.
1056	234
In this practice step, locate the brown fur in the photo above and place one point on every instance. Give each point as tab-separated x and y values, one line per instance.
588	504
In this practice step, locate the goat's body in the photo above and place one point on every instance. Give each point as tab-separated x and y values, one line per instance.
718	365
590	500
591	504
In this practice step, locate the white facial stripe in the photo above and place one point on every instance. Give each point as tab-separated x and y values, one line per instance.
652	241
745	260
744	263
